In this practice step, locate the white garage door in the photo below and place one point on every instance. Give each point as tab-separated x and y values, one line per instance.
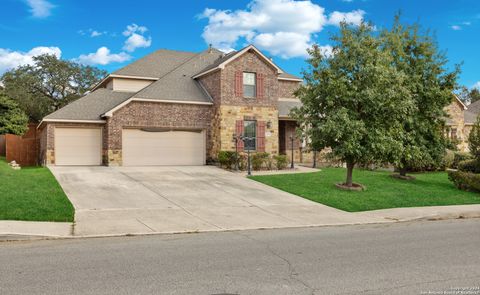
156	148
78	146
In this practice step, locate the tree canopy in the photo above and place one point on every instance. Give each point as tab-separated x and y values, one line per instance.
474	139
49	84
12	119
469	96
430	86
354	101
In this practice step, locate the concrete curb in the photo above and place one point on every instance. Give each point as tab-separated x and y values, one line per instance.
467	212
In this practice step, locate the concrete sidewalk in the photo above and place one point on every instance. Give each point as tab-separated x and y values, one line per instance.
18	230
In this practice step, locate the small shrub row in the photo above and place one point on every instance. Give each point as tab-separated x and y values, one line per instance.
465	180
259	161
472	166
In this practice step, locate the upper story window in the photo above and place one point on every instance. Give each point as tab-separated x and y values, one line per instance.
249	84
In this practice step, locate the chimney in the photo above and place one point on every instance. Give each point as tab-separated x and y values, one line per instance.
210	48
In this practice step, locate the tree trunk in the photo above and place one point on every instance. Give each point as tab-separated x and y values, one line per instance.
403	171
350	166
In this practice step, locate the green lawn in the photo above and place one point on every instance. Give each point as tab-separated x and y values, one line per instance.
383	191
33	194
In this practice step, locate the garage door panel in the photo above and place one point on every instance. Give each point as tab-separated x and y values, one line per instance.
78	146
143	148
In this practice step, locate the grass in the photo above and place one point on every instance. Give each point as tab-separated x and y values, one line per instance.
383	191
32	194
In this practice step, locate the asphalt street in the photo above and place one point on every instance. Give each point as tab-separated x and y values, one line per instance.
402	258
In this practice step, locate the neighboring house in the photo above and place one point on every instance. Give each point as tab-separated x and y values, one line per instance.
176	108
460	121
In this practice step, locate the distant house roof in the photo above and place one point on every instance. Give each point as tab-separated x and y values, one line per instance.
472	112
91	106
285	106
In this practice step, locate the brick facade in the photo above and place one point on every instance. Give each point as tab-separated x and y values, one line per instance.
218	119
151	114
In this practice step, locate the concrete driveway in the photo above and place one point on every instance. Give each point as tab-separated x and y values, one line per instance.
140	200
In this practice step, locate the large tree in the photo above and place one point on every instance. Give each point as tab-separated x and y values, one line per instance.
468	96
12	119
49	84
355	100
430	84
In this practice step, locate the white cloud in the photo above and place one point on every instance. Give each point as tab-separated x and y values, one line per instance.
136	38
96	33
102	57
456	28
282	27
354	17
476	85
11	59
40	8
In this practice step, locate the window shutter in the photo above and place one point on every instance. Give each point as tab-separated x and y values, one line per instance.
238	83
260	85
260	136
239	132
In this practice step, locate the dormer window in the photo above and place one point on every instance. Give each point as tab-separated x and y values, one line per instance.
249	84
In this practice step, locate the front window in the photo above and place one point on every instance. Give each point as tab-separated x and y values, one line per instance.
250	131
249	85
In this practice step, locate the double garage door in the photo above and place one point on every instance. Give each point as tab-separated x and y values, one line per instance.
83	146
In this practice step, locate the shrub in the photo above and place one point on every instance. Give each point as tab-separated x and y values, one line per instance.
465	180
226	159
242	162
472	166
259	159
460	156
447	160
281	161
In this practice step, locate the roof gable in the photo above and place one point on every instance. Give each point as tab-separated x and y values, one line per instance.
221	63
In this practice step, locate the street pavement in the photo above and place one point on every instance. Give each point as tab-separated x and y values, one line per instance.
396	258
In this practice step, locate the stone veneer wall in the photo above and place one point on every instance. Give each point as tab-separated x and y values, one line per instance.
151	114
230	114
457	120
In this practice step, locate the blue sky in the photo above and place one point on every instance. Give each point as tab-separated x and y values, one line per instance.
110	34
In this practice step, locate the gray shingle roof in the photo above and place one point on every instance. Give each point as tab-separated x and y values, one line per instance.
91	106
155	64
473	110
285	106
470	117
178	84
174	71
289	76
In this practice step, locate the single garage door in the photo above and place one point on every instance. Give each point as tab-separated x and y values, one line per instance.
159	147
78	146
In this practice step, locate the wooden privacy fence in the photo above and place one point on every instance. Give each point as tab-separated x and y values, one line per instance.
23	149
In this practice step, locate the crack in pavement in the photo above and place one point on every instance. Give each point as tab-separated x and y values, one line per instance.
292	272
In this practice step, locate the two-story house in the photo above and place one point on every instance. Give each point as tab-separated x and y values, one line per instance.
176	108
460	121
